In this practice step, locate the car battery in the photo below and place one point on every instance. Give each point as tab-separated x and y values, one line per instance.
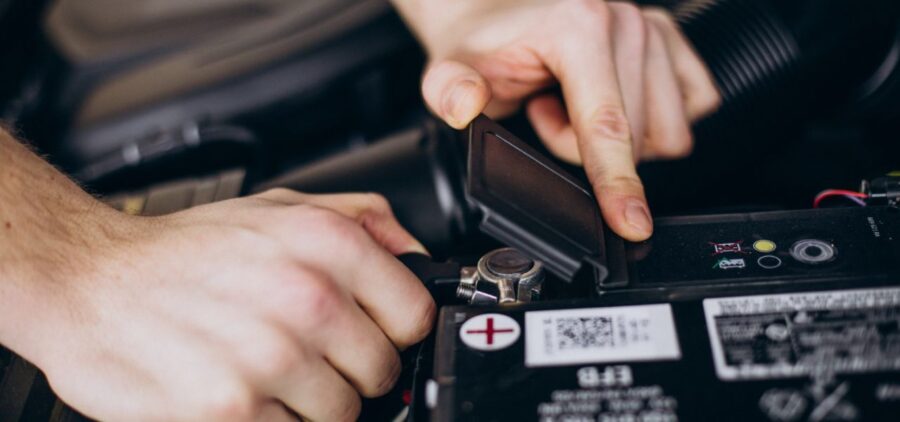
808	355
782	316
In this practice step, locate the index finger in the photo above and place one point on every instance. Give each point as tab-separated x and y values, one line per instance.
383	287
372	211
587	73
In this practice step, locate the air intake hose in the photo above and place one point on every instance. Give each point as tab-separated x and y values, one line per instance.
771	57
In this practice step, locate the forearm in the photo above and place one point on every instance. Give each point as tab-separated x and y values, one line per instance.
48	228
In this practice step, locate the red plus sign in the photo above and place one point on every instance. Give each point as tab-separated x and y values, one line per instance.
490	331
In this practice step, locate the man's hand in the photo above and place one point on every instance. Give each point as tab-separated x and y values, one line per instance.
253	308
237	309
631	84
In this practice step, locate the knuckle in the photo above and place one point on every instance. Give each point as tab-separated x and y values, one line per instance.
420	323
377	211
625	184
275	357
331	226
710	100
350	409
627	14
673	144
377	201
229	403
682	148
316	216
321	302
609	123
591	14
330	220
385	378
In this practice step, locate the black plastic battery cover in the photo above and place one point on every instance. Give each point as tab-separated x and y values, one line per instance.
530	203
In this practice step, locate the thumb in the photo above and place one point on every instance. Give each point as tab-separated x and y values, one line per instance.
454	91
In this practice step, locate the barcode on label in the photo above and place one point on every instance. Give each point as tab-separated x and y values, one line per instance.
598	335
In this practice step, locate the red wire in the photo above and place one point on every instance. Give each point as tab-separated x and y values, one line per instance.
836	192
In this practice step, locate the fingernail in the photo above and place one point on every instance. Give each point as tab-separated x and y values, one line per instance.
637	216
418	248
454	103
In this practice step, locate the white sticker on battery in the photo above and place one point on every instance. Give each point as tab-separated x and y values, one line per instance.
600	335
803	334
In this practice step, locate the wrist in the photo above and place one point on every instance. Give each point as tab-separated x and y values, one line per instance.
51	236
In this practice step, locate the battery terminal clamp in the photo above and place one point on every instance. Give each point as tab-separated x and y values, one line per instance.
502	276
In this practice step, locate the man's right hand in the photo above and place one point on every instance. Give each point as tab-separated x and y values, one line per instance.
629	80
253	308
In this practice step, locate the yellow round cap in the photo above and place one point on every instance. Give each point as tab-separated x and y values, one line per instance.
764	245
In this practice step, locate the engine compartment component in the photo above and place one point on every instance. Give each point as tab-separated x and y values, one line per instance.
805	355
502	276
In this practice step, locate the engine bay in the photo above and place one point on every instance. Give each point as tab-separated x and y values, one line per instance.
768	291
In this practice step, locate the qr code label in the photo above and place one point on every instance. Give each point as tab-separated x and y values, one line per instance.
600	335
575	333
